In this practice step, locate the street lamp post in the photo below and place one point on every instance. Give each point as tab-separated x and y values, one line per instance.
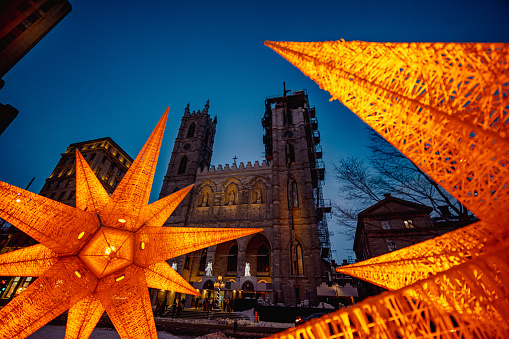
218	285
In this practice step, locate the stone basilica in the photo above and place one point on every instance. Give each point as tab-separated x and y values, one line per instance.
282	196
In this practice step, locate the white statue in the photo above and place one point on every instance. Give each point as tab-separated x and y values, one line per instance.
174	266
247	270
208	269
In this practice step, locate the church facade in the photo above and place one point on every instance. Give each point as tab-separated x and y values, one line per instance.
282	195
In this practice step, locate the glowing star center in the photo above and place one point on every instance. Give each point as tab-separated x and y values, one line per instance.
108	251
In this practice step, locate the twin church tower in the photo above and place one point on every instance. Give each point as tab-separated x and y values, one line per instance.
282	195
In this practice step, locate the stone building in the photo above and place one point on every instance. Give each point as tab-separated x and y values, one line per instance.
108	161
282	195
391	224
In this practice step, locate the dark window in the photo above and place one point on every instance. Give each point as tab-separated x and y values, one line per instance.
203	259
297	254
183	165
262	258
52	195
293	196
190	131
61	196
23	6
71	195
186	262
92	156
290	154
287	116
207	136
7	39
104	159
232	258
60	183
48	5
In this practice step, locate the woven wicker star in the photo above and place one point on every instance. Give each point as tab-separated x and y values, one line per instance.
101	255
445	106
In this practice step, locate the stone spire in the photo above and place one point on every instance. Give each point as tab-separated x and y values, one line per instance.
206	109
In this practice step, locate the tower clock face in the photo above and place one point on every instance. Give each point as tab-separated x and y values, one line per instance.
187	146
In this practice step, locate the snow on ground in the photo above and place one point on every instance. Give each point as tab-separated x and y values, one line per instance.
248	313
216	335
58	332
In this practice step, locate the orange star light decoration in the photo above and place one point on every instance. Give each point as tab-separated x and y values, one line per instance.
101	255
445	107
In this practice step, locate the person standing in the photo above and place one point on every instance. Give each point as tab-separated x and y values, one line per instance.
162	309
173	309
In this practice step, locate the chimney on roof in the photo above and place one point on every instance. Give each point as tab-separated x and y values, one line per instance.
387	195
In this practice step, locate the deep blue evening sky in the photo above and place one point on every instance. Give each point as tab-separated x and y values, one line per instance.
110	68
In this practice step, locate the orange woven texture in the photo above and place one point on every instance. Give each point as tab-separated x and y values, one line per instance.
163	277
82	318
46	298
159	242
468	301
445	107
32	261
403	267
90	193
127	303
49	222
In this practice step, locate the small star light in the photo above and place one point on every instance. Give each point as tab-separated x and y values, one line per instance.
101	255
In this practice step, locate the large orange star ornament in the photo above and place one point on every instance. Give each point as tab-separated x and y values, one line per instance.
445	106
101	255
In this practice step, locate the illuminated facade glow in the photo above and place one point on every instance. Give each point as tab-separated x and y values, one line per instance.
445	107
101	255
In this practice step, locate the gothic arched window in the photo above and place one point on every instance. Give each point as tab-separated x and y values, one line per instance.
183	165
186	262
205	198
232	195
258	192
190	131
207	136
232	258
293	195
297	259
262	259
203	260
290	154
